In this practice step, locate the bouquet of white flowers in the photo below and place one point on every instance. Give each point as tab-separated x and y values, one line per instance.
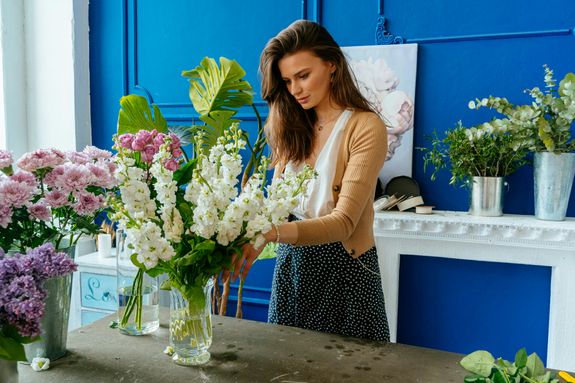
187	217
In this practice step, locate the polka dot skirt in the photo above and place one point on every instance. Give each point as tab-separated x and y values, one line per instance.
323	288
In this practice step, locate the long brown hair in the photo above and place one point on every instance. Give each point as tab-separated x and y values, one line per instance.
289	127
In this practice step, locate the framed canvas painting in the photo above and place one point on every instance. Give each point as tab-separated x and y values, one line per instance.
386	77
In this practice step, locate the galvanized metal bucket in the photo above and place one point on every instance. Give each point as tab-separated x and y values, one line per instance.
54	324
487	196
553	179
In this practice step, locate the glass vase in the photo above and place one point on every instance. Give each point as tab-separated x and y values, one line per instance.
138	294
54	323
191	327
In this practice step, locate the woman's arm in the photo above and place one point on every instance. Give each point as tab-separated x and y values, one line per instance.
368	149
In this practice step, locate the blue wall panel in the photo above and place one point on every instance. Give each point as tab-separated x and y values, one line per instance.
498	307
467	50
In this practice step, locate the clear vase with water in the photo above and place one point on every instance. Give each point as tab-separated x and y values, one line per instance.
191	326
138	294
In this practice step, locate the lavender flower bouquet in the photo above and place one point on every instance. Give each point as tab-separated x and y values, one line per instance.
22	295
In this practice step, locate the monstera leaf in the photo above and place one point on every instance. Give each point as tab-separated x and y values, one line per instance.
217	93
135	114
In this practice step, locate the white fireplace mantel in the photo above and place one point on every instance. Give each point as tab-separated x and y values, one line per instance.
511	239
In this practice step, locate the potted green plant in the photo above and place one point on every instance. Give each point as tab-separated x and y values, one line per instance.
480	157
546	123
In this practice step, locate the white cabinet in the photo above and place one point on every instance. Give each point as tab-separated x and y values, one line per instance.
93	289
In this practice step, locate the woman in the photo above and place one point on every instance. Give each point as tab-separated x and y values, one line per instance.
327	274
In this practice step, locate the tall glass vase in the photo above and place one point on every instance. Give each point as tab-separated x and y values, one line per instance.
191	326
138	295
54	324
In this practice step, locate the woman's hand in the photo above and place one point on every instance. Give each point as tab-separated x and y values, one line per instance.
245	259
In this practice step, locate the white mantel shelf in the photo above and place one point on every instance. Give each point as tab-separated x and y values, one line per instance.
515	239
510	230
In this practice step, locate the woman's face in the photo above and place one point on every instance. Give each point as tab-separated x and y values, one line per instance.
307	78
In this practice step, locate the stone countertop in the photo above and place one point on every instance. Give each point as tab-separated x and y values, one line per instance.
244	351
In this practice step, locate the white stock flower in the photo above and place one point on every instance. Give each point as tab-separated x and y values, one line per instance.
173	224
149	244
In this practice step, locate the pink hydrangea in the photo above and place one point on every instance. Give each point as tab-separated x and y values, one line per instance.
56	198
5	216
25	177
95	153
5	159
15	194
102	175
78	157
87	203
40	211
55	174
40	159
74	177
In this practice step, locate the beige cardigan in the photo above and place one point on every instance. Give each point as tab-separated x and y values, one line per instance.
361	156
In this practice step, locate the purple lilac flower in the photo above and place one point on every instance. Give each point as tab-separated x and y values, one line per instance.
21	293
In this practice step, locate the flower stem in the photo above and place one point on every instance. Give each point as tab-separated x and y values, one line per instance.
134	301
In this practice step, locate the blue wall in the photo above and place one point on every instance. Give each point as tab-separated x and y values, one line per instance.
466	50
500	307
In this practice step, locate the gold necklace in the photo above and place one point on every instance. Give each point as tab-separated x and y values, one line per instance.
321	125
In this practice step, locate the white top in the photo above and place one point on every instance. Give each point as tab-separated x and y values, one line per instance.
319	199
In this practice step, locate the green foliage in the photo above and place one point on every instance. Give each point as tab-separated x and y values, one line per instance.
525	369
217	93
492	149
135	114
12	344
547	122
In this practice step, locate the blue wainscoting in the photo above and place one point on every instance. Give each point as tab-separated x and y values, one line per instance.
466	50
460	306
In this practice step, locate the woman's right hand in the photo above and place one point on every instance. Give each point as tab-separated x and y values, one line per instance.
242	262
